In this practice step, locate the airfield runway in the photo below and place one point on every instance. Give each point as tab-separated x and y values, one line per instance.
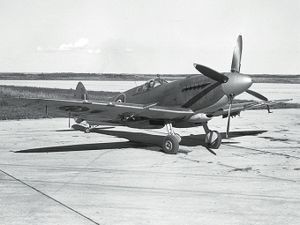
52	175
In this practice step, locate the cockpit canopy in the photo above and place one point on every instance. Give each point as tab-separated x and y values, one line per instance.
150	84
153	83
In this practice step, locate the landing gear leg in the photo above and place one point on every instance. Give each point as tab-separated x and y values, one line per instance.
213	138
170	143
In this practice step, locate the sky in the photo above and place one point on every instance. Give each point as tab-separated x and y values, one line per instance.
143	36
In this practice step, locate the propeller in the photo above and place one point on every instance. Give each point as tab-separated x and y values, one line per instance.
210	73
232	83
257	95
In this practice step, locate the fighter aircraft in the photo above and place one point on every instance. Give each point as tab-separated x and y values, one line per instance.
188	102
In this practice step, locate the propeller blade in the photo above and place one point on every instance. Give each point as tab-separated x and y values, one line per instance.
228	118
237	55
211	151
212	74
257	95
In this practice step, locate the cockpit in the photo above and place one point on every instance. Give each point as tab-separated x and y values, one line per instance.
153	83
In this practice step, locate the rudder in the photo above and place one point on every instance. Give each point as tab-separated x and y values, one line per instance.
80	92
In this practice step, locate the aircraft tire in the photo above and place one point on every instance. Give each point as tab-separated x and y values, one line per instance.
213	139
178	137
170	144
87	130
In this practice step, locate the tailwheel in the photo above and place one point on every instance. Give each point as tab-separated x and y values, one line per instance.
213	139
171	144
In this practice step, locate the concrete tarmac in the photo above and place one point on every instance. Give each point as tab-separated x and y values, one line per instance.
50	174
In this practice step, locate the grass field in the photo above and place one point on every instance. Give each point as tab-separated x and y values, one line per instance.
13	108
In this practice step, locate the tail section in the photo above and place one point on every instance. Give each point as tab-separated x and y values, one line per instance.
80	92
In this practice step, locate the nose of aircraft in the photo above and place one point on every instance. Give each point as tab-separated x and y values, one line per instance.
236	84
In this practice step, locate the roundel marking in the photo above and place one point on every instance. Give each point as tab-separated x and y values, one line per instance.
121	98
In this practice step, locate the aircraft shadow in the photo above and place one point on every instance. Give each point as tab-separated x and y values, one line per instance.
136	140
191	140
84	147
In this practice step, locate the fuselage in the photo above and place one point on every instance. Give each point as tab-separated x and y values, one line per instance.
196	92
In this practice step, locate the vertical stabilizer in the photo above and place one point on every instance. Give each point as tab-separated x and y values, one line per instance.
80	92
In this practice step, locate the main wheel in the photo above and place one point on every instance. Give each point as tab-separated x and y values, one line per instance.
178	137
87	130
213	139
170	144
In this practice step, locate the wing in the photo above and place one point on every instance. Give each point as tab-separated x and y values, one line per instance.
236	108
109	110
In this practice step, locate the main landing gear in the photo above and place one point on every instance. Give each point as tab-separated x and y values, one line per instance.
213	138
171	142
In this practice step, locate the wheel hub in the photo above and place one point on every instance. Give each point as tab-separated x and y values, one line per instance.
168	145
